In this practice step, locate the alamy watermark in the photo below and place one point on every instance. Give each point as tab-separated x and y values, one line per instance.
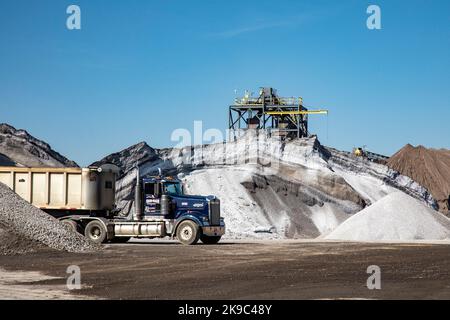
212	147
374	20
73	21
74	279
374	280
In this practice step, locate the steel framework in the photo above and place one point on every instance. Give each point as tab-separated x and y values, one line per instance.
285	117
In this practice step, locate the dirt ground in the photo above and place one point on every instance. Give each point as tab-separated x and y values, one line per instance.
234	270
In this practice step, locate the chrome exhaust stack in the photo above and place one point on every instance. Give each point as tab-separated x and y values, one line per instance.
137	196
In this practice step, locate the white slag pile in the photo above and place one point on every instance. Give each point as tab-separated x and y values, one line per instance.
294	189
396	217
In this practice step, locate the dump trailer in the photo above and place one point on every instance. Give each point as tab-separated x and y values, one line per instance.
84	199
65	191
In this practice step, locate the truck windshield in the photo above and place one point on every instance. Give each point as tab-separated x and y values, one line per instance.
172	188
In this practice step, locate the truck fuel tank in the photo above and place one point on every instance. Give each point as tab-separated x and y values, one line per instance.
140	229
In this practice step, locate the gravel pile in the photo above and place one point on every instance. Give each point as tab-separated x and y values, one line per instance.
309	191
12	244
395	217
24	228
429	167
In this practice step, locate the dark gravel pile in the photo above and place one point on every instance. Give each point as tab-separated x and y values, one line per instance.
13	244
24	228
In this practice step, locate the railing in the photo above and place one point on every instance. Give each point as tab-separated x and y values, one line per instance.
252	101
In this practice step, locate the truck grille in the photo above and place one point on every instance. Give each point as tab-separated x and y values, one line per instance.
214	212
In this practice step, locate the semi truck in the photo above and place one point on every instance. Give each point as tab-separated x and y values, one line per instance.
84	199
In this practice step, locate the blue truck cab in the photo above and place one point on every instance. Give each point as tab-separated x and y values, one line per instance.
187	217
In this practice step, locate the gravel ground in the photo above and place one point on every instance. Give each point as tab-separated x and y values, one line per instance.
157	269
25	228
21	285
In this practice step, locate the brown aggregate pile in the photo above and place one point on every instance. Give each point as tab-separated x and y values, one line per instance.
428	167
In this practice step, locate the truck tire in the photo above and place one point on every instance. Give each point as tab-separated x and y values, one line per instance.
210	240
72	225
188	232
95	231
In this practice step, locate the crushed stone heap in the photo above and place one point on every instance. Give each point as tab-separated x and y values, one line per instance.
24	228
397	217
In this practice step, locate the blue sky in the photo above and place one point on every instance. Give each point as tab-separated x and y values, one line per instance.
137	70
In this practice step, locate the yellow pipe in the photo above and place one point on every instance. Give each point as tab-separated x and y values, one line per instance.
280	113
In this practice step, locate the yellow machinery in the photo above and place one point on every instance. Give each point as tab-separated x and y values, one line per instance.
359	152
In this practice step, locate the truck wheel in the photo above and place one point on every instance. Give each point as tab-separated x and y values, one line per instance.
72	225
188	233
210	240
95	231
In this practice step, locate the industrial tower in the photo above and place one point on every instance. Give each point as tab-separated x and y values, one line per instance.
284	117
